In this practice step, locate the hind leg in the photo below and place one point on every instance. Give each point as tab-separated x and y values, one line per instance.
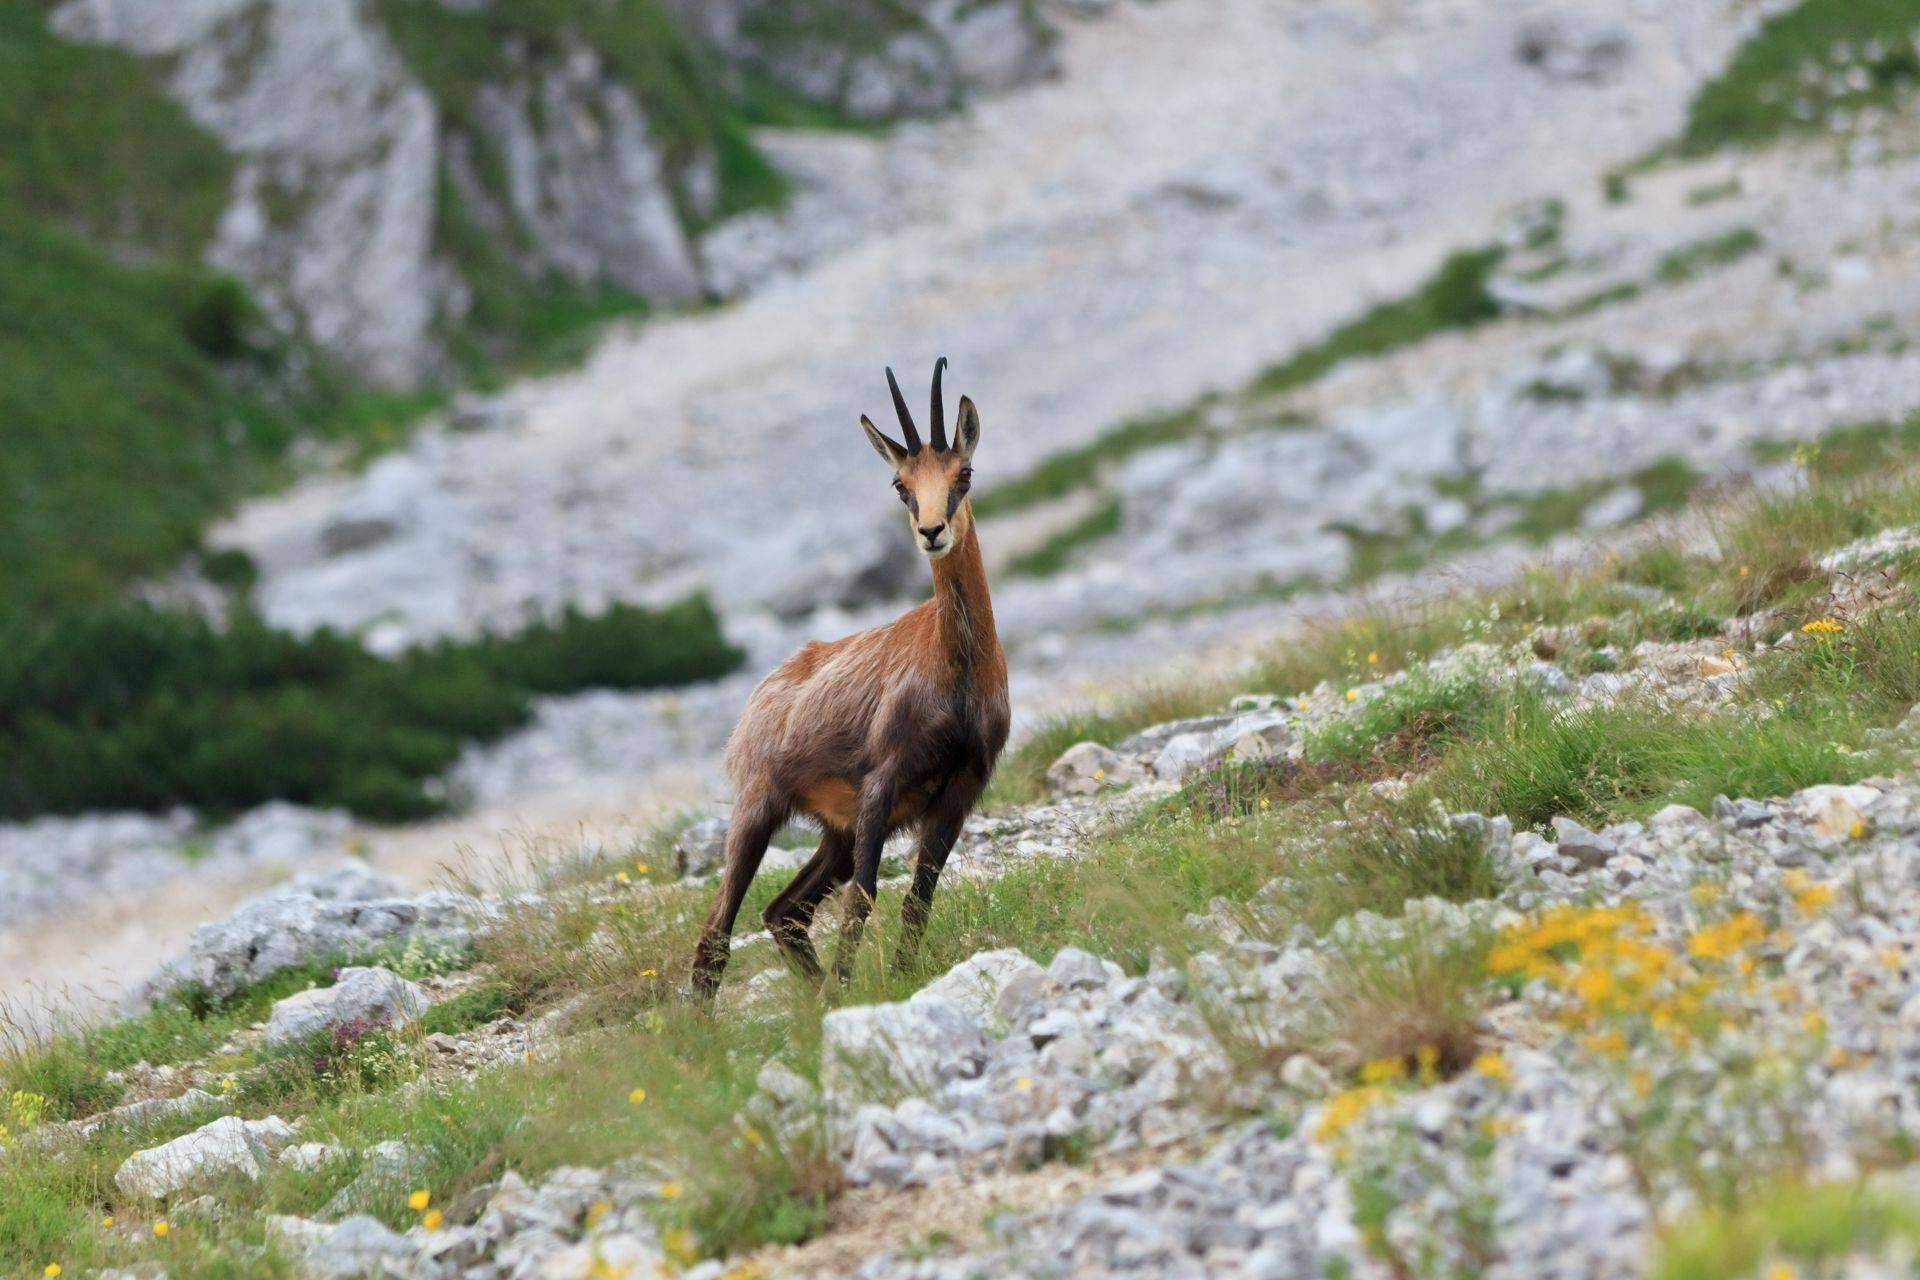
754	822
789	915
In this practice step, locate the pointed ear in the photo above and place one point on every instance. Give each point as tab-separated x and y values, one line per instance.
890	453
966	431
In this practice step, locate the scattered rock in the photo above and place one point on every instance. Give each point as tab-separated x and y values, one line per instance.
378	996
1084	769
702	848
324	913
215	1152
1575	47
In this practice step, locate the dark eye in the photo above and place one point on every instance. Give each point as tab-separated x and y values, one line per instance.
965	482
900	489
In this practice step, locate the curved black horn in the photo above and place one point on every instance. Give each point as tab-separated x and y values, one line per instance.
906	419
938	425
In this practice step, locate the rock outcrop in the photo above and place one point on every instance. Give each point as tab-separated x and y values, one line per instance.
332	219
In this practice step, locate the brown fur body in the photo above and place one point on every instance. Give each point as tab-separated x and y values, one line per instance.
889	729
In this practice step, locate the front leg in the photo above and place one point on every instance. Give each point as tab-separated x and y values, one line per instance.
869	838
945	817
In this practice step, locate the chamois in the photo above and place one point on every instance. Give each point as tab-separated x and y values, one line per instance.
882	730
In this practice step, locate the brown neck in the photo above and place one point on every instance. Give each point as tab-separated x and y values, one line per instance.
962	605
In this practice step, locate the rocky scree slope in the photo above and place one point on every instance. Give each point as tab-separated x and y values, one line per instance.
1577	1053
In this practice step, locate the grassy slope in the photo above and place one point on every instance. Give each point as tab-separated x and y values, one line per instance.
615	951
1752	102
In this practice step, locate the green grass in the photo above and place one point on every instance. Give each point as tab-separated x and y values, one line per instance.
614	959
1454	297
94	146
1665	485
1752	102
140	394
1691	261
1807	1227
1053	555
1850	452
224	719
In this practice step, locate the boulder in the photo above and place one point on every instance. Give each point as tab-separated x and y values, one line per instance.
911	1046
324	913
1835	811
386	1168
1083	769
215	1152
1588	848
378	996
976	983
701	848
356	1246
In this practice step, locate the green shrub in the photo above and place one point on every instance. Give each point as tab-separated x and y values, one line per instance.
1456	296
217	314
133	707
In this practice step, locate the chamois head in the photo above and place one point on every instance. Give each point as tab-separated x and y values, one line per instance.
931	477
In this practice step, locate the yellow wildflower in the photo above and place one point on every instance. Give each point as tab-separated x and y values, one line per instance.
1381	1070
432	1219
1611	1043
1857	828
1023	1083
1814	897
1719	941
1782	1271
679	1245
637	1096
622	877
753	1137
419	1200
1745	569
1099	775
51	1269
670	1191
1372	659
649	973
1822	628
1352	694
161	1228
1427	1057
598	1210
1343	1108
642	867
1493	1066
107	1221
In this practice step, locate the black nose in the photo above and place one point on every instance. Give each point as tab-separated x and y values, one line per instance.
930	532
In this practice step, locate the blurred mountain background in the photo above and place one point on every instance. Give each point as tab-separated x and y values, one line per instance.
422	420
